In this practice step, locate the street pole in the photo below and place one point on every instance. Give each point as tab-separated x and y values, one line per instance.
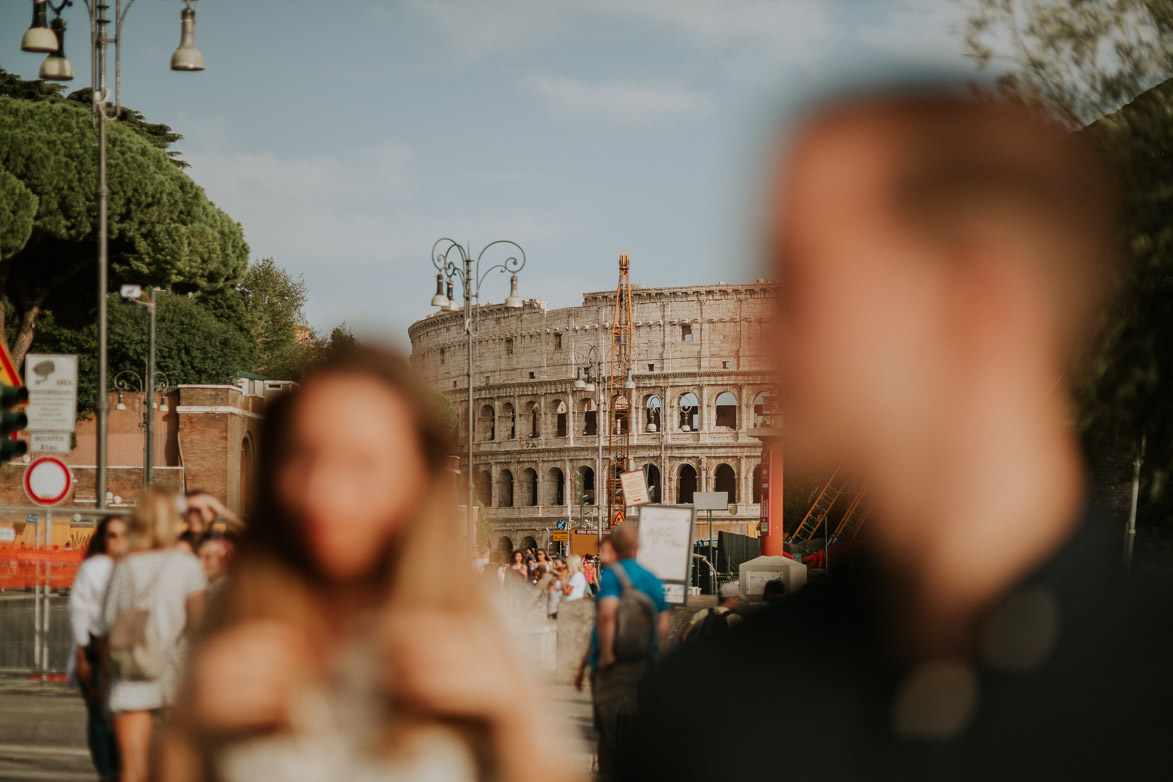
149	408
600	421
472	530
98	30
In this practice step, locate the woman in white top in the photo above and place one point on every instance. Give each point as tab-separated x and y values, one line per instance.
576	583
169	583
86	596
340	650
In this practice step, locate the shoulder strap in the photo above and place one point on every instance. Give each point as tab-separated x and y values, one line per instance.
624	579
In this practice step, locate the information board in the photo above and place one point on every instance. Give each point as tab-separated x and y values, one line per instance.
52	384
665	546
635	488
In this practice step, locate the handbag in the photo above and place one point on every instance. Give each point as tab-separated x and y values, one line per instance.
135	650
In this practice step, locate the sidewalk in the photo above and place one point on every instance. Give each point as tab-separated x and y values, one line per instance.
42	731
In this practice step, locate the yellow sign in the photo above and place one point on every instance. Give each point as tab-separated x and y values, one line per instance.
559	536
615	522
8	375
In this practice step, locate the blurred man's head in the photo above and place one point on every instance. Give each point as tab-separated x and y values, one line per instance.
933	250
625	541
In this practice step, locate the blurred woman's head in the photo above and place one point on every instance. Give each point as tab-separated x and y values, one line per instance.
347	462
574	564
518	558
109	538
154	522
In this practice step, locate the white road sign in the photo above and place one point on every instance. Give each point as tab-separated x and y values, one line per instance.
48	481
52	384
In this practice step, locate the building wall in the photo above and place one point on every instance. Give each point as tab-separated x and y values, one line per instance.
205	440
699	340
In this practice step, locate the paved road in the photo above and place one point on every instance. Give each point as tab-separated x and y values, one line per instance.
42	731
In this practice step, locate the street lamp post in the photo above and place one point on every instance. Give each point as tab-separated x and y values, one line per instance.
130	382
467	269
134	294
50	38
592	368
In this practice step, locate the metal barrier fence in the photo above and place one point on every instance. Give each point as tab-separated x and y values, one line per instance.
40	552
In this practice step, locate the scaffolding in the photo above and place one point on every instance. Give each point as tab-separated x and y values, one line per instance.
619	394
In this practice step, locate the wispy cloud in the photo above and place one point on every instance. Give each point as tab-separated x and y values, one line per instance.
921	31
749	38
617	102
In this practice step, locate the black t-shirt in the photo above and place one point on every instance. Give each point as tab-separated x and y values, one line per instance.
810	690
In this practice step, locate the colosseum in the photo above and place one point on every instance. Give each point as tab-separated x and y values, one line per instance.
701	387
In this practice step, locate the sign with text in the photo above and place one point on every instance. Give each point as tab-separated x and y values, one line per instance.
559	536
50	442
665	546
52	385
635	488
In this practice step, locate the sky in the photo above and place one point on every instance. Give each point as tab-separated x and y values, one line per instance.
347	137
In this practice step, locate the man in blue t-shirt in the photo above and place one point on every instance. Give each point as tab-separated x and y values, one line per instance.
615	683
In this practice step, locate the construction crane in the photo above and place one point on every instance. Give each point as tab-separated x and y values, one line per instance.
853	518
619	394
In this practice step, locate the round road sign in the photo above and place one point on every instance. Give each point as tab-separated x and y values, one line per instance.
47	481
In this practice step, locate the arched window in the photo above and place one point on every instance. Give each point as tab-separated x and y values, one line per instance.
757	484
528	543
557	486
559	418
246	467
529	487
726	410
763	408
621	414
505	490
488	423
534	411
590	418
652	413
652	472
689	417
485	488
725	479
685	484
586	484
505	545
509	420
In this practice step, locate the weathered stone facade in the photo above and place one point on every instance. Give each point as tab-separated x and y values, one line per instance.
537	438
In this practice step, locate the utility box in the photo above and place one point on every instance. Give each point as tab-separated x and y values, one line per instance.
754	574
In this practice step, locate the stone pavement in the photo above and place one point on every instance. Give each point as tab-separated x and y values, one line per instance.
42	731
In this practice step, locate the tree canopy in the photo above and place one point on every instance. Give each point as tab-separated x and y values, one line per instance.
163	229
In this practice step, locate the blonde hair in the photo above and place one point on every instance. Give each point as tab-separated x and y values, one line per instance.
154	522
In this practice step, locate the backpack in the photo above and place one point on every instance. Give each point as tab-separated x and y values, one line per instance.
135	649
714	625
635	624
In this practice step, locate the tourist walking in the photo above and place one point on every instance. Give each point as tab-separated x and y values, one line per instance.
155	596
86	598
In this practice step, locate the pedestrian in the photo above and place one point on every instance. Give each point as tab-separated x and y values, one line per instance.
591	571
715	621
155	597
553	592
342	650
576	582
622	652
944	260
774	592
213	551
86	598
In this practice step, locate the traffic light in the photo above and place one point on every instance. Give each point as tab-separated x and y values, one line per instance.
12	421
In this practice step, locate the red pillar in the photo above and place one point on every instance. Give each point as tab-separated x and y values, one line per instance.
770	530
